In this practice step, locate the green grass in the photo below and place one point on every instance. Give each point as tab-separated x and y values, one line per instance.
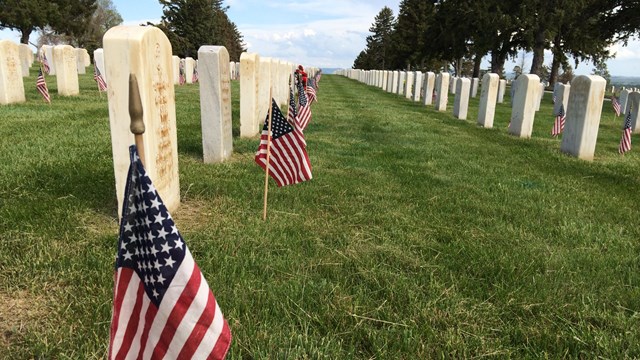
420	235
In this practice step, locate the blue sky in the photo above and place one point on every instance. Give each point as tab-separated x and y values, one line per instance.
326	33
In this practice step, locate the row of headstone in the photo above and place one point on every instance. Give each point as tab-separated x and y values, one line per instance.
582	105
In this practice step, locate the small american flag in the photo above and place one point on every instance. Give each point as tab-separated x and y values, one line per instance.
162	304
304	110
41	85
102	85
288	160
625	141
616	105
558	124
45	63
311	94
291	113
183	77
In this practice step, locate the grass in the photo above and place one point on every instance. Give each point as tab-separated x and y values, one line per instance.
420	236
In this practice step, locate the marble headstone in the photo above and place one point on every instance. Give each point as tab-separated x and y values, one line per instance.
249	63
461	102
488	99
11	85
442	84
524	105
66	63
427	88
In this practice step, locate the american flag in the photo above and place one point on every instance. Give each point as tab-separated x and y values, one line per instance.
183	77
558	125
288	160
625	141
41	85
304	110
616	105
102	85
311	93
291	113
162	304
45	63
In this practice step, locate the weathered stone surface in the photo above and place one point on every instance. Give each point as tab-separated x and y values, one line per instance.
189	66
429	83
624	96
248	94
524	105
81	60
26	58
540	96
634	105
385	80
461	101
11	85
408	85
474	87
66	62
488	99
562	97
452	84
394	82
264	84
215	103
145	52
502	87
98	59
400	86
442	84
175	68
417	85
583	116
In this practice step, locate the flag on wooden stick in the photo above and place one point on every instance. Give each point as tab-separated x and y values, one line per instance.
291	113
558	124
288	161
625	141
45	63
97	76
616	105
162	305
41	85
304	110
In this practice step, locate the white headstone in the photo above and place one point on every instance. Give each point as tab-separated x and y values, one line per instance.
417	85
540	96
408	85
502	88
634	105
248	94
175	67
583	116
215	103
47	51
264	83
145	52
624	96
442	84
66	62
81	59
402	76
474	87
524	105
394	82
98	59
26	58
189	66
385	80
488	99
461	101
562	97
452	84
11	85
429	83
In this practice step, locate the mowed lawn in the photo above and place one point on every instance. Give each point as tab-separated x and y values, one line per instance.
420	236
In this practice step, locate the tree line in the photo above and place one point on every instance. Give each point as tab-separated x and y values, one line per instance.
82	23
457	34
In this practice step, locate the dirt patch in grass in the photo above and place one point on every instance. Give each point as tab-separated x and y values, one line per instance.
19	310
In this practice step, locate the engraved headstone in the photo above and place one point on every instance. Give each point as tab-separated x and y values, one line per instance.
408	85
66	64
189	66
248	94
47	50
624	96
488	99
524	105
417	85
562	97
634	104
429	83
81	60
442	84
394	82
98	59
26	58
264	84
11	85
474	87
175	68
583	116
501	90
215	103
461	101
145	52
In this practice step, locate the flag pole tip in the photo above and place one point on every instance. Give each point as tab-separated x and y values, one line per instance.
135	106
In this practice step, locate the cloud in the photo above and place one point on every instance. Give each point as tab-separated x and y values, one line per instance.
629	52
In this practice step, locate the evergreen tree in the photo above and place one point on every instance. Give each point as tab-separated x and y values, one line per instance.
410	33
378	50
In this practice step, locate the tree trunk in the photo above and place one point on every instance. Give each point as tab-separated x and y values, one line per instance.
557	60
24	35
497	62
538	53
476	66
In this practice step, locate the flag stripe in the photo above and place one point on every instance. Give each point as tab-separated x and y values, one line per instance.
198	333
132	325
123	281
214	337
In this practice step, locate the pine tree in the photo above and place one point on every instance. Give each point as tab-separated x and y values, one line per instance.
409	35
378	50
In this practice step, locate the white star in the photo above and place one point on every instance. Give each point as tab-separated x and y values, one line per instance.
154	251
166	248
146	280
155	204
179	244
161	279
174	229
159	219
162	234
152	189
128	227
157	265
155	294
128	255
169	262
133	238
132	208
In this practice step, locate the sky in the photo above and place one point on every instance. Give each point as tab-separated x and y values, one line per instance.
326	33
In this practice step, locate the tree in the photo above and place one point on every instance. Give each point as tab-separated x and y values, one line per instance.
600	69
363	61
409	36
191	23
378	51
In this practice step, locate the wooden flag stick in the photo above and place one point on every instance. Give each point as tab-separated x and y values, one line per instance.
266	174
136	112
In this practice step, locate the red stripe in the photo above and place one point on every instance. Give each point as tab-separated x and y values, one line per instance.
152	310
132	325
201	328
222	345
119	290
294	152
177	313
279	157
